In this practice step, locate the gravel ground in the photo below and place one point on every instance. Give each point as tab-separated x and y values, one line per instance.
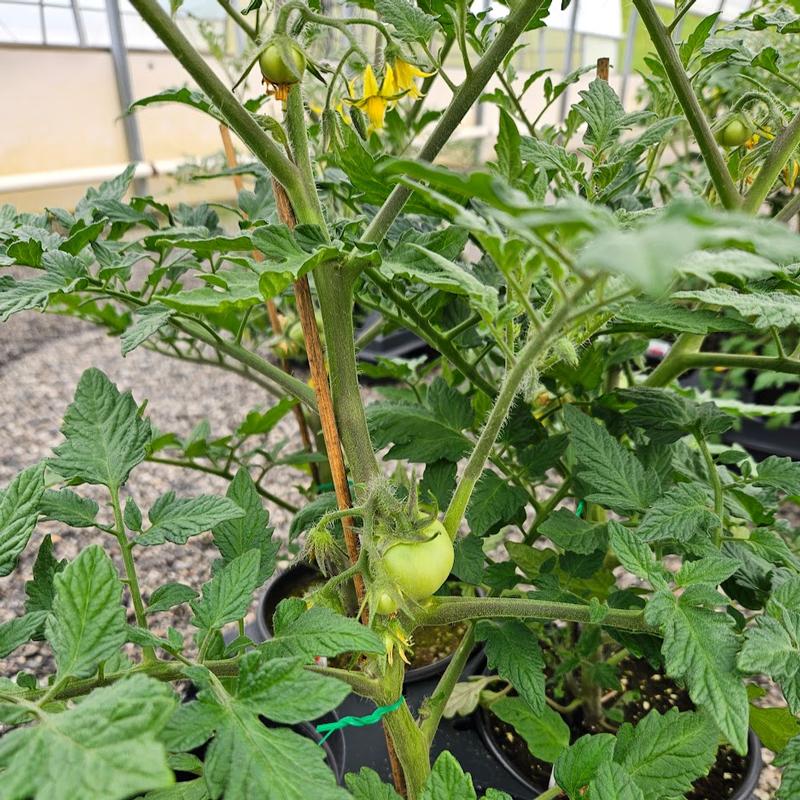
41	359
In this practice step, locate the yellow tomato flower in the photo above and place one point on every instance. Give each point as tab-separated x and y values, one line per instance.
791	172
405	74
374	101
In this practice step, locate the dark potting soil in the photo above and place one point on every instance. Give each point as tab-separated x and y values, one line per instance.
649	691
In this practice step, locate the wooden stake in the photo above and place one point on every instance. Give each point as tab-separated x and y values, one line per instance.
272	312
602	69
319	374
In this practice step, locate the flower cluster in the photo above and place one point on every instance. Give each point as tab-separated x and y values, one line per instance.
398	81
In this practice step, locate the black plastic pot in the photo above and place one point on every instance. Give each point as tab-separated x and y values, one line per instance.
745	792
399	343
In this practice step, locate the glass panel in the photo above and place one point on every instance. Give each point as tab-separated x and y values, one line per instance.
60	26
96	4
20	23
95	24
138	34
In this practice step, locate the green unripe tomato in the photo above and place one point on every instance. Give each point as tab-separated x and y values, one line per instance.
274	67
418	569
734	133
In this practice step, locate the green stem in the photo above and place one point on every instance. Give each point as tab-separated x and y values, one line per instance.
411	748
550	794
435	704
780	152
463	100
508	391
689	361
130	571
427	332
672	364
450	610
716	485
512	95
682	11
236	116
789	210
715	163
239	19
360	683
289	383
227	475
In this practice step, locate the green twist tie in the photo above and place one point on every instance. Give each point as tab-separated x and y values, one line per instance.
579	509
357	722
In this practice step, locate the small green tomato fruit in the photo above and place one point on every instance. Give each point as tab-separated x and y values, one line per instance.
274	67
418	569
734	133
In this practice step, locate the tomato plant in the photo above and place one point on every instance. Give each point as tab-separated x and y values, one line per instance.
599	527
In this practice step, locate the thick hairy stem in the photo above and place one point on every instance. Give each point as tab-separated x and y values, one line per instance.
681	85
672	365
411	748
319	375
450	610
237	117
463	100
780	152
502	404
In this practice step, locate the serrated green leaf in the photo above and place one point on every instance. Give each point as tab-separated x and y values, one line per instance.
414	432
410	23
636	556
318	631
774	726
228	595
105	748
699	648
366	784
682	514
284	691
175	520
571	533
20	630
105	436
448	781
513	650
148	321
19	510
246	760
468	560
578	764
611	782
439	480
665	754
70	508
545	733
789	759
615	475
236	536
711	569
779	473
168	596
777	309
87	623
41	590
494	502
